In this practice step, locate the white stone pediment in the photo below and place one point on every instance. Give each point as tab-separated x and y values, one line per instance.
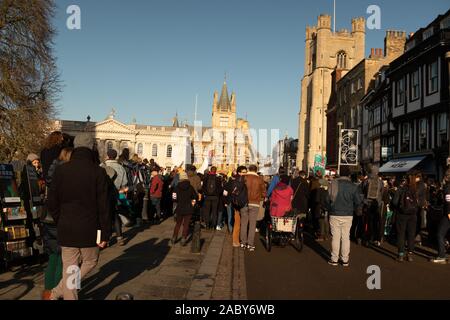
112	126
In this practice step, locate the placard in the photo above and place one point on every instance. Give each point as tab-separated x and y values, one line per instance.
33	182
9	192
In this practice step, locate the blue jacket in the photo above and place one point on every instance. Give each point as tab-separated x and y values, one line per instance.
345	196
273	184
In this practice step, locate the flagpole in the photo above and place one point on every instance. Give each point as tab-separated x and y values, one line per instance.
334	16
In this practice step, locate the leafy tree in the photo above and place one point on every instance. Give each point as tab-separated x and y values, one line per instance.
29	83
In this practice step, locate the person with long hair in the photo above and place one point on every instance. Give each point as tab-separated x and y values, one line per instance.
51	151
406	202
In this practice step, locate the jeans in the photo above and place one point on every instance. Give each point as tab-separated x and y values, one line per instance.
443	228
156	203
220	219
358	229
406	224
71	257
340	232
185	220
375	222
248	225
210	211
230	217
117	225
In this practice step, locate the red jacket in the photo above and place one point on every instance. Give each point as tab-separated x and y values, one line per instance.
280	202
156	187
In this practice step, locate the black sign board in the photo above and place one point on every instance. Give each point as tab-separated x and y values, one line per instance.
9	193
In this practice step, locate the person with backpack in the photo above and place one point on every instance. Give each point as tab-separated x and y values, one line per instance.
444	224
406	201
345	200
301	194
227	200
156	192
212	190
238	196
256	191
186	197
373	194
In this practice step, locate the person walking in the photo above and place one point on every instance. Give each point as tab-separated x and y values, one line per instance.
406	201
212	190
444	224
345	199
53	272
239	200
301	194
227	200
52	149
156	192
186	197
78	203
256	194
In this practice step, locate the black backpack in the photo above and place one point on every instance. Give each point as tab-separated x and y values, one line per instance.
211	186
239	194
409	203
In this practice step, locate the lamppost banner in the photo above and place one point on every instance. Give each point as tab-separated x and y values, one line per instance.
320	163
349	147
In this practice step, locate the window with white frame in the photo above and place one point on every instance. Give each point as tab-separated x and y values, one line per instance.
155	150
353	87
169	151
140	149
423	134
400	91
433	77
405	137
442	129
415	85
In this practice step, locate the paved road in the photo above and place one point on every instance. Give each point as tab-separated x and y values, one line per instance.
286	274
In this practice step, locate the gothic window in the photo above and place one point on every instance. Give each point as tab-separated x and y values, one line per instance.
140	149
154	150
169	151
342	60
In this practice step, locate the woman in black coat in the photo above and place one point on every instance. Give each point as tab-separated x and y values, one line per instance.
186	197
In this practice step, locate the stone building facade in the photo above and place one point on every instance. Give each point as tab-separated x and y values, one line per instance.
227	144
324	51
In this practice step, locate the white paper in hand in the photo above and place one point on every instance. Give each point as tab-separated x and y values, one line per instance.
99	236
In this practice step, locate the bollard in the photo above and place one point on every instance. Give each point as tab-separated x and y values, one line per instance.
145	209
196	237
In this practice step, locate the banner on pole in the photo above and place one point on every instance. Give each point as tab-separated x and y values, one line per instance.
349	147
320	164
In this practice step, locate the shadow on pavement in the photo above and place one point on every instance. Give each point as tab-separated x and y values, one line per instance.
135	260
316	247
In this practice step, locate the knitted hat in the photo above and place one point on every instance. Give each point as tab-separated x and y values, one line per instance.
183	176
83	140
32	156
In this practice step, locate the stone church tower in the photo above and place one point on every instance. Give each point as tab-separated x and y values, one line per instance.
224	110
324	51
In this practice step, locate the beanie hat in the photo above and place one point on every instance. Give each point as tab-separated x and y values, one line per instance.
32	156
112	154
83	140
183	176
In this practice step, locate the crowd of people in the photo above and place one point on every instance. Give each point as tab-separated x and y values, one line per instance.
88	199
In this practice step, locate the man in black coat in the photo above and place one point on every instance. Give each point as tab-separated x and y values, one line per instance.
78	202
301	194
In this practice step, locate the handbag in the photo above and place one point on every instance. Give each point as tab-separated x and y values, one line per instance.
261	212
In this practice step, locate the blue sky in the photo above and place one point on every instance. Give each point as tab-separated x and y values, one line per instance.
149	58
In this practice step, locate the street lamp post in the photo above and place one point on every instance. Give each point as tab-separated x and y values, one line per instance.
447	57
340	124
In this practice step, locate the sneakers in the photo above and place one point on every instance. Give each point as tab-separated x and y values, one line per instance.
400	259
243	246
439	260
410	257
257	230
333	263
345	264
251	248
218	228
120	241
